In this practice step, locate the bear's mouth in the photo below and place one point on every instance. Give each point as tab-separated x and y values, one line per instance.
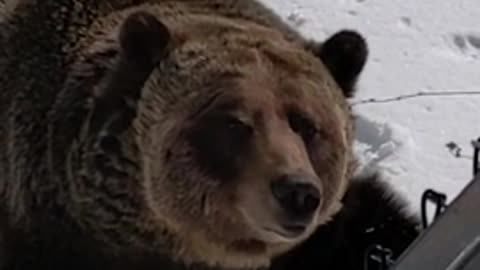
288	232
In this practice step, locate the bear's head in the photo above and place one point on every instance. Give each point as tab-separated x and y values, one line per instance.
219	141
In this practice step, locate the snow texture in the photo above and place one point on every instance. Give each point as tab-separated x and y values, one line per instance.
415	46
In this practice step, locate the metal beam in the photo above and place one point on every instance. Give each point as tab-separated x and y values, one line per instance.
452	241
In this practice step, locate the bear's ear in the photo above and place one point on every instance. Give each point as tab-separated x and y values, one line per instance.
143	43
344	54
143	38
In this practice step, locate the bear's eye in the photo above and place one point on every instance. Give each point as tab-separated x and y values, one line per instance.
220	142
238	128
302	126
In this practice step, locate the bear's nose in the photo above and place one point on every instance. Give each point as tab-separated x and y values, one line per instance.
296	197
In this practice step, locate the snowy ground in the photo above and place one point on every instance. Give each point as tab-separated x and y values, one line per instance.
415	46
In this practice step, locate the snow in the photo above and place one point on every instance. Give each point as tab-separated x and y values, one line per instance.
415	46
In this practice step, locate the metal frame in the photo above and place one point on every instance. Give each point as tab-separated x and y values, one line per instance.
452	241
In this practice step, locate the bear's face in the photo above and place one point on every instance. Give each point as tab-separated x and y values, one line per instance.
257	158
244	143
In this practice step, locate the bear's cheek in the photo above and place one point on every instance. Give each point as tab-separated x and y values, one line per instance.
197	204
329	157
188	190
218	151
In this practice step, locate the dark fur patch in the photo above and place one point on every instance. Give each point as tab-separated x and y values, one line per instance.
144	38
220	141
53	245
371	215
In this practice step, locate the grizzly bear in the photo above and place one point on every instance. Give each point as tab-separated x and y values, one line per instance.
207	134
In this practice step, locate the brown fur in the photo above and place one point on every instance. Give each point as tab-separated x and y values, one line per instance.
122	167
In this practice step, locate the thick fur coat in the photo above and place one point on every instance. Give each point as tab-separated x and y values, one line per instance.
149	134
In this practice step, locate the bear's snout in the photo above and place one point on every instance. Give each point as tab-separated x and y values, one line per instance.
298	200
